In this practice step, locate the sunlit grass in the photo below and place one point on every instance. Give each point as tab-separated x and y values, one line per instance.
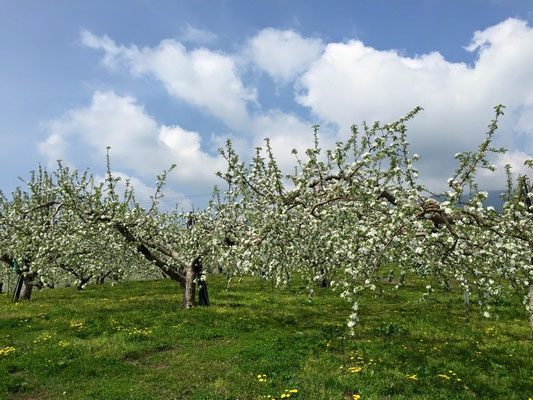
132	341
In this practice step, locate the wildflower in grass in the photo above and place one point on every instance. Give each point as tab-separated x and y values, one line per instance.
6	350
77	325
262	377
139	332
356	396
62	343
444	376
354	369
42	338
413	377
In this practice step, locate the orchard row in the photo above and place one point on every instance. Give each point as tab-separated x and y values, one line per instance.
344	218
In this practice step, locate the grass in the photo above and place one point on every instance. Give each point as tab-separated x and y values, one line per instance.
132	341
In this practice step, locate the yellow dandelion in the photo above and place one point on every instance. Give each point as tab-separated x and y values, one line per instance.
6	350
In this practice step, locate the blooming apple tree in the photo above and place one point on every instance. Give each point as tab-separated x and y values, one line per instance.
168	241
344	214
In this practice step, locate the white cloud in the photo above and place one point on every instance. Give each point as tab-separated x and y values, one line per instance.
113	54
137	142
352	82
190	34
55	147
209	79
343	83
201	77
283	54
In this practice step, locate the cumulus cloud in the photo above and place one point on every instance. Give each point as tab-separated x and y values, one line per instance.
352	82
137	142
209	79
340	83
200	77
55	147
283	54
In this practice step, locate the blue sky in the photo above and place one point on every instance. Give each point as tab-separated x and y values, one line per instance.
168	81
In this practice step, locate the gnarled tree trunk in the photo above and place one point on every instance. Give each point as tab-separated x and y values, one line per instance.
27	287
184	278
189	288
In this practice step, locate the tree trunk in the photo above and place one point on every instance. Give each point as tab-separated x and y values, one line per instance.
1	287
324	280
27	287
203	295
467	304
189	289
83	282
324	283
531	309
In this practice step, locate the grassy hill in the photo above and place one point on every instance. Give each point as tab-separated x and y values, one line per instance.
132	341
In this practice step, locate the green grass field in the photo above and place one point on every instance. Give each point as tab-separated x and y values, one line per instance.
132	341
